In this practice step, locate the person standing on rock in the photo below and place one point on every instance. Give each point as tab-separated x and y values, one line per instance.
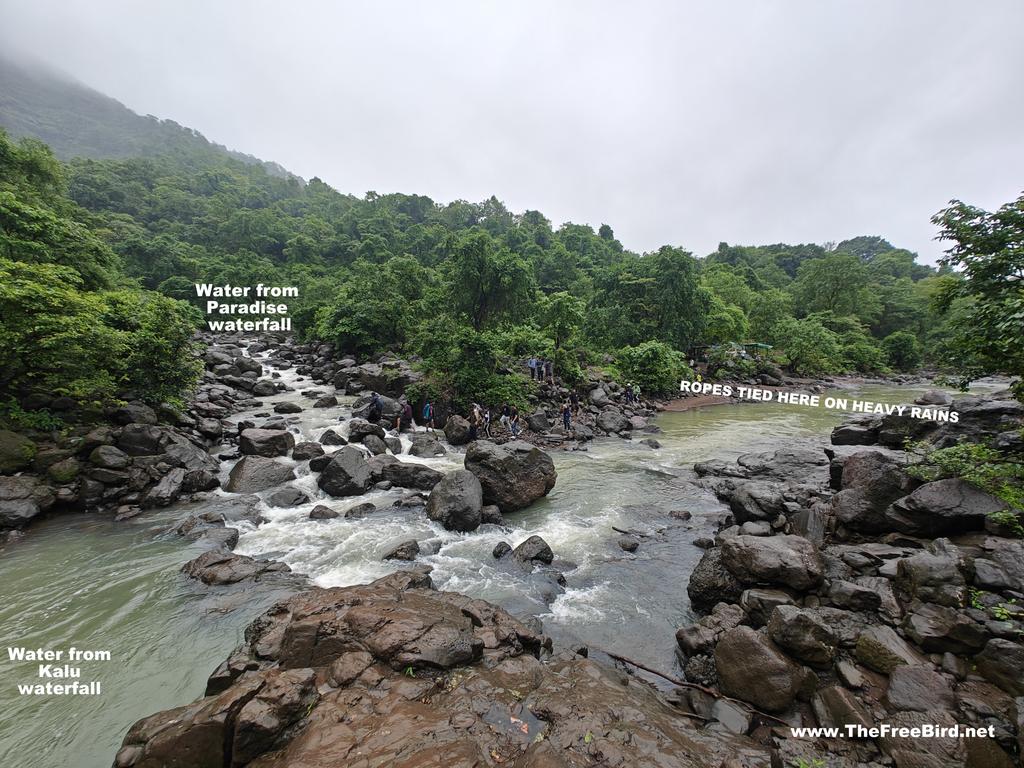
428	415
376	408
505	413
474	422
567	415
487	422
404	419
532	363
636	393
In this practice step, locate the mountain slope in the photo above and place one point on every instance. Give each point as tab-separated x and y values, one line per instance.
77	121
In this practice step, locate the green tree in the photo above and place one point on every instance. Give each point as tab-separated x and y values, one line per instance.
902	350
487	282
563	315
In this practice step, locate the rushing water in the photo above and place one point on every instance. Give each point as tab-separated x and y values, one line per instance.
85	581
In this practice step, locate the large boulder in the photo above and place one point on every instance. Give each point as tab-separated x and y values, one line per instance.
755	500
376	651
750	668
16	452
404	474
612	421
220	567
358	429
919	688
426	446
347	473
265	442
456	501
257	473
711	582
803	635
1000	662
881	649
790	561
938	629
456	430
871	481
109	457
513	475
21	500
533	549
942	508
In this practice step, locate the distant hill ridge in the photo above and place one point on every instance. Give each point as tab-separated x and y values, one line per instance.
77	121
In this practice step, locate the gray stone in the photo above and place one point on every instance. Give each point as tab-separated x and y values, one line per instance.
456	501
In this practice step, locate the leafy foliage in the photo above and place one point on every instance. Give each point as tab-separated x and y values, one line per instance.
654	365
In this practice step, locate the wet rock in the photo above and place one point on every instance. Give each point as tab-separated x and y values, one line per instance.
935	397
287	407
790	561
881	649
711	582
501	549
425	446
375	445
628	544
941	508
167	490
836	707
853	596
700	638
919	688
405	550
854	434
758	604
109	457
322	512
513	475
140	440
257	473
753	670
803	635
21	500
456	430
328	401
287	497
358	429
456	501
534	549
134	412
347	473
938	629
755	500
219	568
1001	662
939	751
404	474
871	481
538	422
612	421
934	575
330	437
650	442
265	442
264	388
16	452
306	451
490	514
360	510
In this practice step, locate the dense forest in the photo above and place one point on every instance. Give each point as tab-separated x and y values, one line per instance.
100	257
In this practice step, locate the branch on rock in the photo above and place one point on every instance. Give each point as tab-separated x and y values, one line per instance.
685	684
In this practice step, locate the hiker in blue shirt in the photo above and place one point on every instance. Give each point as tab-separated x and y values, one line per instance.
428	415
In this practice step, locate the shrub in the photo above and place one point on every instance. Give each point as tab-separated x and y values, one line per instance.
903	350
654	365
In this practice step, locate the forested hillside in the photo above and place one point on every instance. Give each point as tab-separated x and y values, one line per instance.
467	289
76	121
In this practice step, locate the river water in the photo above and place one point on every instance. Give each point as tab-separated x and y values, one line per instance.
85	581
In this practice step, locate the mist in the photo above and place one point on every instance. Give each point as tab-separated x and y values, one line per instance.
676	123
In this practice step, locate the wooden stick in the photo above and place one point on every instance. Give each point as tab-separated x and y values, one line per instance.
685	684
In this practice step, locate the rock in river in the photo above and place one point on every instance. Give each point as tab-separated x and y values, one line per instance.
265	442
513	475
456	501
790	561
347	474
257	473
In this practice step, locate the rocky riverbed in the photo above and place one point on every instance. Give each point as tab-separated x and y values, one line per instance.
814	557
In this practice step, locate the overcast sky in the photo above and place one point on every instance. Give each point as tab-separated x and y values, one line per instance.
685	123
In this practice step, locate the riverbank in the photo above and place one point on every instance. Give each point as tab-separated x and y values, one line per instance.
622	520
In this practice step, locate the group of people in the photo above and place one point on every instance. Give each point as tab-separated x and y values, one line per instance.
541	370
632	392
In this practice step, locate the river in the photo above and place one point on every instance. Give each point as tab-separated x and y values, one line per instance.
85	581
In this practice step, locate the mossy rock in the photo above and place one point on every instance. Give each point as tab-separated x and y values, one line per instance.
16	452
64	471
